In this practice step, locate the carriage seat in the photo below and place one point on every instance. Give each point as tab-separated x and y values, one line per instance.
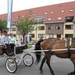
2	48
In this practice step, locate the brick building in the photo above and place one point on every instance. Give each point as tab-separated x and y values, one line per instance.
53	21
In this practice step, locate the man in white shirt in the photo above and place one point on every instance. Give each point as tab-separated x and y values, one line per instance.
1	43
5	40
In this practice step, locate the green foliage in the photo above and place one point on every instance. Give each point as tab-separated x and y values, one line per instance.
25	24
2	24
29	46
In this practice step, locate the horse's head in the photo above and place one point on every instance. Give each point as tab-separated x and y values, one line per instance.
37	45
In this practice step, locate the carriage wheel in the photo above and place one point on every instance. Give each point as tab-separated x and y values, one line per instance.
11	65
28	60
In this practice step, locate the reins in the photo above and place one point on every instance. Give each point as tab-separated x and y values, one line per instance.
71	52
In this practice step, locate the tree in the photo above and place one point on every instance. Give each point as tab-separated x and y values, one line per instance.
25	25
2	24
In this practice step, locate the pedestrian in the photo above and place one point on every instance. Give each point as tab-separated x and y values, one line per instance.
41	38
12	38
21	40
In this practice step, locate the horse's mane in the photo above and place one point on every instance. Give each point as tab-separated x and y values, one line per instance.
37	47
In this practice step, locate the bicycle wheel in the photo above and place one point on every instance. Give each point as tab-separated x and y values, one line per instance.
11	65
28	60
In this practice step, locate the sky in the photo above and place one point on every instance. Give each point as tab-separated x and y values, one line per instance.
27	4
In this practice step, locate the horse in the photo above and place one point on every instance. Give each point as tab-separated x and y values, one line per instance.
56	44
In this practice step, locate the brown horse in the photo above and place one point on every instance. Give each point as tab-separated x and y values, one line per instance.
57	45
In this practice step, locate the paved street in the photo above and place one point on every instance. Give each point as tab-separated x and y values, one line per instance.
60	67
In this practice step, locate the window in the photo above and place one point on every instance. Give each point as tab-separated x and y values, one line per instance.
69	35
34	14
59	18
39	35
13	29
69	18
71	10
62	11
34	20
49	19
13	23
58	35
52	12
46	13
41	28
57	27
68	26
40	21
32	35
50	35
49	27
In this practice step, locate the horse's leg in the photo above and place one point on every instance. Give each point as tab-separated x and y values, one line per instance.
73	73
43	60
74	70
48	63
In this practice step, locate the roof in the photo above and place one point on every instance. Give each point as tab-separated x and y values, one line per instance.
56	12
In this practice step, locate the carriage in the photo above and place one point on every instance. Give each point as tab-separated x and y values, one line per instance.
12	61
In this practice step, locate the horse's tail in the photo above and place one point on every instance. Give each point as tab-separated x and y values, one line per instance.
38	54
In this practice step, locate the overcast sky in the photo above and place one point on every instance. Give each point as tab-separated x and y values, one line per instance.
27	4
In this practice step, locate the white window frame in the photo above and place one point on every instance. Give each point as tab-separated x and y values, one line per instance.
71	10
49	19
59	18
62	11
46	13
34	14
52	12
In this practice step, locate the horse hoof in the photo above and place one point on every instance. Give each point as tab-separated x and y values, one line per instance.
52	74
71	73
41	72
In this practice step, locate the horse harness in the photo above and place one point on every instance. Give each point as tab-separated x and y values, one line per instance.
68	47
